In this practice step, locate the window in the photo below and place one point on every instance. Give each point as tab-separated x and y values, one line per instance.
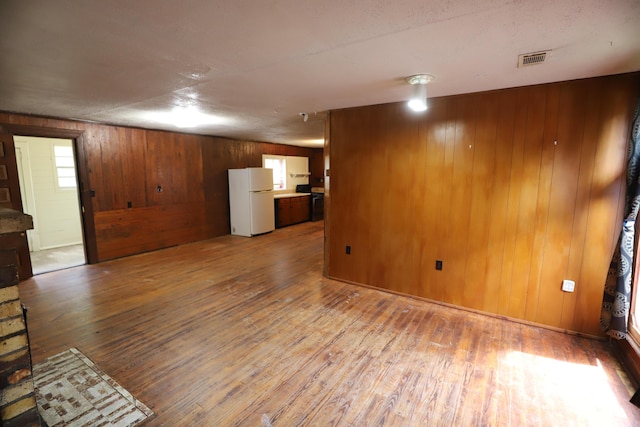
279	166
65	166
634	312
629	351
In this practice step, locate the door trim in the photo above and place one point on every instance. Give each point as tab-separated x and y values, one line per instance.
85	193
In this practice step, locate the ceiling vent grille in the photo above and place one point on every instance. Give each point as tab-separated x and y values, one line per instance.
532	58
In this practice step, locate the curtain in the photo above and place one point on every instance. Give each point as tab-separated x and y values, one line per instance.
617	292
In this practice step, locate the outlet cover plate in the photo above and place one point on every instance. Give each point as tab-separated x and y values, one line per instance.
568	285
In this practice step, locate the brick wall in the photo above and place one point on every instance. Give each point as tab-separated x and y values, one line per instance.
17	396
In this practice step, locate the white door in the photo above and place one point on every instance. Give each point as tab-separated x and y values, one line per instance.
262	212
26	192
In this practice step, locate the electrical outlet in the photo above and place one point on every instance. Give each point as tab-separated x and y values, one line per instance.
348	250
568	285
438	264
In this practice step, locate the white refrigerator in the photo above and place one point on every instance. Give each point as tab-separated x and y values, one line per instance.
251	201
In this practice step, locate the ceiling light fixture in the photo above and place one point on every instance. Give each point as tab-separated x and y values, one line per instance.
188	117
418	100
184	117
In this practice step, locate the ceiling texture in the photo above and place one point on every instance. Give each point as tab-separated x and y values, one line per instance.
255	65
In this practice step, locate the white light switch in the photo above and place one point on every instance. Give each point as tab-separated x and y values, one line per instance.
568	285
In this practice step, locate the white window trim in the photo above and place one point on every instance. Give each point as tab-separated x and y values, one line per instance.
56	178
282	159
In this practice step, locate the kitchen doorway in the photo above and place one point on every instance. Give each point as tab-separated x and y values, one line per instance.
48	187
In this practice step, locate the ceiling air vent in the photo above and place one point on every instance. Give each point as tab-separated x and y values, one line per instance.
532	58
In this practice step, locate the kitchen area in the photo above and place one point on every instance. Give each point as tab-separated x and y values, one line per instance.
306	204
279	194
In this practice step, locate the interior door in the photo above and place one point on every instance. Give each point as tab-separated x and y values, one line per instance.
26	192
10	198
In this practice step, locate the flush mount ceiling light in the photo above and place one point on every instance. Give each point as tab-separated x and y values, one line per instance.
185	117
188	117
418	100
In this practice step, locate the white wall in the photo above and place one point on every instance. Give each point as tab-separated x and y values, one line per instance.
297	170
55	211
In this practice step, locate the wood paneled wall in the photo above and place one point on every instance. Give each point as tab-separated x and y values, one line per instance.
514	190
175	184
316	167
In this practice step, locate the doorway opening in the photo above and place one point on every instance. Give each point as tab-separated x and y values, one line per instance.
49	191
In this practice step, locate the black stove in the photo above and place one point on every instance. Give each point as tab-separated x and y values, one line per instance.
317	201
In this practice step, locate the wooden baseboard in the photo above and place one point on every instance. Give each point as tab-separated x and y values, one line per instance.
471	310
629	355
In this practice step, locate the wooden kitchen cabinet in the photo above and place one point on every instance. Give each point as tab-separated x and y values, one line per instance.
300	209
292	210
283	212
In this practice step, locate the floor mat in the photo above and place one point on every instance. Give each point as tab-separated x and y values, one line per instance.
72	391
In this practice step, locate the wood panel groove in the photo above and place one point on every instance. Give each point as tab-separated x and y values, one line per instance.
545	180
483	174
498	226
513	205
578	226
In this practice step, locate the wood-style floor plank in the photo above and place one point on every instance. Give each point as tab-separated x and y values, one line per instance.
239	331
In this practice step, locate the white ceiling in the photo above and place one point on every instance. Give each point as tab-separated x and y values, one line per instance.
258	63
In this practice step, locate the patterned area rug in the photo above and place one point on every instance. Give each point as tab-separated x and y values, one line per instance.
72	391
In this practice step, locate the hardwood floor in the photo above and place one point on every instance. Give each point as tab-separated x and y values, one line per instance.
239	331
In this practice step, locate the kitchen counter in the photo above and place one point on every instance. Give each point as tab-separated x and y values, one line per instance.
283	195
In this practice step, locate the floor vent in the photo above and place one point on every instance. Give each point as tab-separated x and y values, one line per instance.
532	58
